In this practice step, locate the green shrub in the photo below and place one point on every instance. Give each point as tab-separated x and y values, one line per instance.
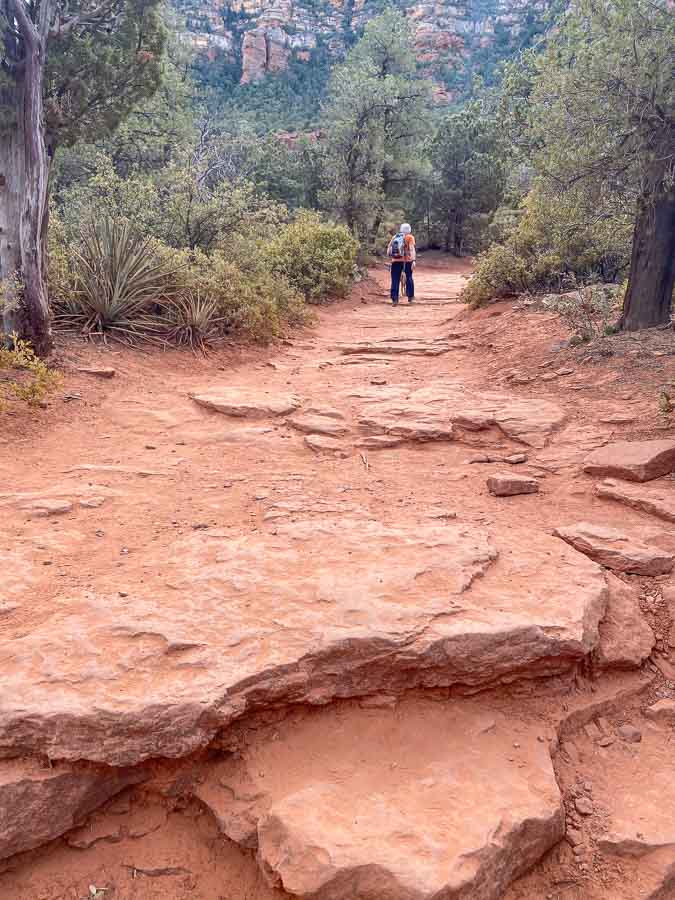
35	380
554	238
118	283
256	304
317	258
499	272
115	284
587	310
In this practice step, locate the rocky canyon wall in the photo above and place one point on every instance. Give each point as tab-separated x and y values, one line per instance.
263	36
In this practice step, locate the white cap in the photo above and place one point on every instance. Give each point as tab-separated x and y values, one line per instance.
406	229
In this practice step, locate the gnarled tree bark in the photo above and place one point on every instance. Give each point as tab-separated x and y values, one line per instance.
651	280
24	167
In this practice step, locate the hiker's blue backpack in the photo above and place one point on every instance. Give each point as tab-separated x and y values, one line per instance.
397	245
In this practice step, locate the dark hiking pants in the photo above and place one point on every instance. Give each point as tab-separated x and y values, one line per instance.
397	267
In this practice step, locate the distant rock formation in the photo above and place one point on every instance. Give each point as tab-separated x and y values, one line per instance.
451	38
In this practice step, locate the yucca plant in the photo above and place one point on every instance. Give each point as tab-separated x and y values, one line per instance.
119	281
193	320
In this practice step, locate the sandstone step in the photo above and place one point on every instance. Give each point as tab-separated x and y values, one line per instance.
323	443
633	460
657	499
428	800
447	405
617	549
40	803
398	346
221	626
313	423
246	403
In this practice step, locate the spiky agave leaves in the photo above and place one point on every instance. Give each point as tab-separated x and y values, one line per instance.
122	288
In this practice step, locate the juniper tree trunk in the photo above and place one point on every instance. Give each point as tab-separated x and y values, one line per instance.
23	198
651	279
10	214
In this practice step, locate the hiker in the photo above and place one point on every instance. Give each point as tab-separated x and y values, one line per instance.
401	251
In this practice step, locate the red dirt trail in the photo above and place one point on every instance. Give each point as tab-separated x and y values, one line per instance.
150	474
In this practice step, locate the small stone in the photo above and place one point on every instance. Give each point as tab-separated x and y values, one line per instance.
592	731
629	733
507	485
122	594
574	836
583	806
516	459
606	741
150	447
44	508
92	502
662	711
96	372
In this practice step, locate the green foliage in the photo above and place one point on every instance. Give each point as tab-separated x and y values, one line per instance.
557	236
121	286
253	303
287	101
317	258
587	310
98	72
118	280
376	118
594	113
192	320
602	106
33	380
466	180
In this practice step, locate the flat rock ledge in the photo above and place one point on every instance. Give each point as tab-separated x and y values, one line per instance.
226	627
38	804
439	411
246	404
633	460
657	499
617	550
421	802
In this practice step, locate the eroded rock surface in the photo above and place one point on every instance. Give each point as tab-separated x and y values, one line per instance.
396	346
633	460
626	639
657	499
38	804
436	411
428	801
246	404
615	549
312	611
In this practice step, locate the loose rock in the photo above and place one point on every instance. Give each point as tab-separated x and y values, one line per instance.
246	404
633	460
506	485
629	733
43	508
98	373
